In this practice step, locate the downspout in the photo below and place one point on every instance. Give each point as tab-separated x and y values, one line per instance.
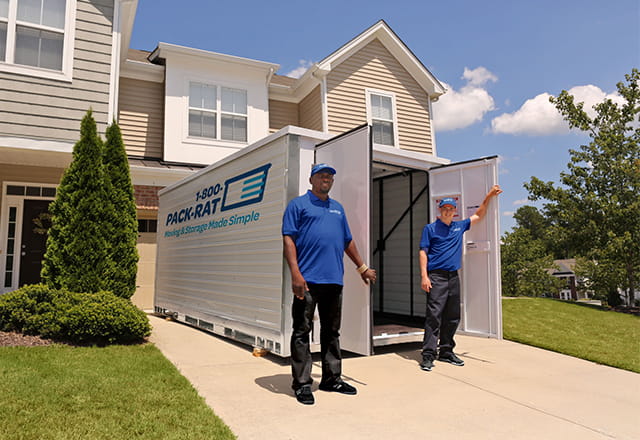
115	63
321	75
433	134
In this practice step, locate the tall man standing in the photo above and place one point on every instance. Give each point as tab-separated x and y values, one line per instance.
440	259
316	235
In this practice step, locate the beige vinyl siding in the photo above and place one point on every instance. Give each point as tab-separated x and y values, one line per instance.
48	109
141	117
310	111
374	67
281	114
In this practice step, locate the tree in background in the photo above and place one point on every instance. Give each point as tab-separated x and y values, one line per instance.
597	208
601	279
526	258
76	257
120	218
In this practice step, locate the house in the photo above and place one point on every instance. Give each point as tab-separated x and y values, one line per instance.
564	269
55	64
180	109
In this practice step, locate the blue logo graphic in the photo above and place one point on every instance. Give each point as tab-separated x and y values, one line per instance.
245	189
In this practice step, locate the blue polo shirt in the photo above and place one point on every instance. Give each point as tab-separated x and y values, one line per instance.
443	244
321	233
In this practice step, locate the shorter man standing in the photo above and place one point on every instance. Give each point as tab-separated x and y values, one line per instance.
440	258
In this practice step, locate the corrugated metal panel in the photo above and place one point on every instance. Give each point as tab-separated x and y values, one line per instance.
59	106
141	117
281	114
374	67
311	110
230	272
399	269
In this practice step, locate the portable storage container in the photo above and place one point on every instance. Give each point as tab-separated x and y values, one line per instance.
220	264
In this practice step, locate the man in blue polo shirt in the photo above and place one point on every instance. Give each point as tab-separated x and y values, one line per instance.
440	258
316	235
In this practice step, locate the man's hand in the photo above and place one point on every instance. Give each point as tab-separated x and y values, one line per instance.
369	275
299	286
482	209
494	191
426	284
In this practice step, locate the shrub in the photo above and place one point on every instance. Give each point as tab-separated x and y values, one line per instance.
18	309
81	318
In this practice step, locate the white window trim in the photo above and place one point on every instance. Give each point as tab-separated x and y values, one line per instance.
391	95
9	201
66	74
217	141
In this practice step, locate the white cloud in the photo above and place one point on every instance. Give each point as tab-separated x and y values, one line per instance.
479	76
303	66
521	202
539	117
459	109
507	213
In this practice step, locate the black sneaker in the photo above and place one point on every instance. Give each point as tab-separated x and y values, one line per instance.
426	364
339	387
452	359
304	395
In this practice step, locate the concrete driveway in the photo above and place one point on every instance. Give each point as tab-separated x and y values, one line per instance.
505	391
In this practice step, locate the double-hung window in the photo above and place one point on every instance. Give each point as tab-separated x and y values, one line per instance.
381	111
217	112
203	110
34	34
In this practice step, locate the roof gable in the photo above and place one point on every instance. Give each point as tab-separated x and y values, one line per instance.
396	47
296	89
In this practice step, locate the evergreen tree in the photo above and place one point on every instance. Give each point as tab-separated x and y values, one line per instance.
120	216
76	255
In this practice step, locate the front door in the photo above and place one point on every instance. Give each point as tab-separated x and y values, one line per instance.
35	223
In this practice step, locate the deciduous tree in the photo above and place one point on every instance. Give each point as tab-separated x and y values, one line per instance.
526	259
597	204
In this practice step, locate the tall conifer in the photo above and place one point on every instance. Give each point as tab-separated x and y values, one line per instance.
120	216
76	256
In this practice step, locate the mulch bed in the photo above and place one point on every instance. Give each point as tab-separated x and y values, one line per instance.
13	339
626	309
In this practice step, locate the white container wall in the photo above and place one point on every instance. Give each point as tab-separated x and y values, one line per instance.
220	264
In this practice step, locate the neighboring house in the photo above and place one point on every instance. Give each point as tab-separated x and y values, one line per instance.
565	271
180	109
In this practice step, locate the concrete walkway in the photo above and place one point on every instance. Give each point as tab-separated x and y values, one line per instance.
505	391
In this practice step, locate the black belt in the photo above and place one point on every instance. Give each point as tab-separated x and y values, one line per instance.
448	273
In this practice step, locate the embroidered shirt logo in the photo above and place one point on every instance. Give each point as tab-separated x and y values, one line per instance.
335	211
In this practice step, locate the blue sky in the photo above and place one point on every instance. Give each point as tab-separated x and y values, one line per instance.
499	60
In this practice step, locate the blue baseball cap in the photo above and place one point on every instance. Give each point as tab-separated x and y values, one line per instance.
447	201
322	167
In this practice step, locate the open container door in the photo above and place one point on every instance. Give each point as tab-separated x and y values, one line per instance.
350	155
468	183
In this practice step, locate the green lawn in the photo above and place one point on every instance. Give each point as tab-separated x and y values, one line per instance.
579	330
116	392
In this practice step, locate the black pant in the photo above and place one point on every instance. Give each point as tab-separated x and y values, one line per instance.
328	297
443	313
